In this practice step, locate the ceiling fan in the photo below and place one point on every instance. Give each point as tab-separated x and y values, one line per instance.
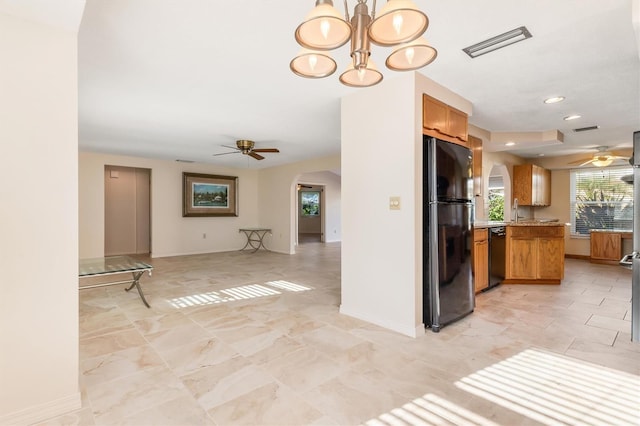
246	147
602	158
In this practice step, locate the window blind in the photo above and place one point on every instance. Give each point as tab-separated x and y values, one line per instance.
600	199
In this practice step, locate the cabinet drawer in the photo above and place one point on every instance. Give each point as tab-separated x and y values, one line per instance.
480	234
536	231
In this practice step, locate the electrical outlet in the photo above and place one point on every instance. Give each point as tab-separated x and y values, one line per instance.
394	203
204	236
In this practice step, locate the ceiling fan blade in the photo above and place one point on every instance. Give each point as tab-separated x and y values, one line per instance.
225	153
581	162
256	156
589	161
231	147
266	150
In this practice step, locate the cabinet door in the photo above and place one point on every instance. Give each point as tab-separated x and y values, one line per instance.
541	186
523	258
545	187
481	265
523	184
457	124
476	148
434	115
550	258
606	246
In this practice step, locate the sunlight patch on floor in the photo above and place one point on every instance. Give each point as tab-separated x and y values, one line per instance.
249	291
430	409
553	389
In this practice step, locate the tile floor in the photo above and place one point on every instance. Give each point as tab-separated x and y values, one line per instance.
256	339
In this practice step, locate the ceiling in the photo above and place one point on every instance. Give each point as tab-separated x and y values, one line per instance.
178	79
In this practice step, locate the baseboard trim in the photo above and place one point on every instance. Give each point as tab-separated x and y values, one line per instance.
416	331
577	256
38	413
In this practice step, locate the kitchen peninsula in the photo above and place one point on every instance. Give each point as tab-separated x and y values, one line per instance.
534	252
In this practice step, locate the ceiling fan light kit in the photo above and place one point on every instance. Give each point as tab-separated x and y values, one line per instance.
602	161
399	24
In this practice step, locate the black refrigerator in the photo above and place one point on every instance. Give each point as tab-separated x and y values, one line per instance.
447	238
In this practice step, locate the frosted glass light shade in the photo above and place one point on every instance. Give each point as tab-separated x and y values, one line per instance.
398	21
411	56
323	28
313	64
602	161
366	77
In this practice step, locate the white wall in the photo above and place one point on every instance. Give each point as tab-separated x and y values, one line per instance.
38	221
382	157
171	234
277	199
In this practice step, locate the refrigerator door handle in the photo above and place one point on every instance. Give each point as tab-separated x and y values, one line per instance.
627	260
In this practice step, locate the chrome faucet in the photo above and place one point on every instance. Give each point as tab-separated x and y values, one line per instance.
515	210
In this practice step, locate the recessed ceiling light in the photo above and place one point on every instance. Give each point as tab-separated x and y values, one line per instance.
554	100
572	117
509	144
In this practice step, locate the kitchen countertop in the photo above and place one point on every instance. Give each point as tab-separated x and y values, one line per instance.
487	224
522	222
535	223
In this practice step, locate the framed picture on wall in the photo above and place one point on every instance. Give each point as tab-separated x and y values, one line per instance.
209	195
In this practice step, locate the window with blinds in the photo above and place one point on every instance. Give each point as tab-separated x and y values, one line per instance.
600	200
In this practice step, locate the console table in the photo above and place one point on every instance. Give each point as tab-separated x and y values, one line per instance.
255	238
115	265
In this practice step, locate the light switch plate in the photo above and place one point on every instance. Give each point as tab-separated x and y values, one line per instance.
394	203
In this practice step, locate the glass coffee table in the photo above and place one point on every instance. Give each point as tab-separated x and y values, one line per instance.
115	265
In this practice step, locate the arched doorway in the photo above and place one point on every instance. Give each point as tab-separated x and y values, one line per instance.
499	194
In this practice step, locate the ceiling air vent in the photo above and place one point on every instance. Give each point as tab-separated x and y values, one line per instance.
586	129
498	42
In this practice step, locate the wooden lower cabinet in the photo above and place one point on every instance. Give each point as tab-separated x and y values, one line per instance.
535	255
523	260
606	246
550	258
480	259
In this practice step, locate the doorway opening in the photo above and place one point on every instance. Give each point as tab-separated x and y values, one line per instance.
127	210
310	213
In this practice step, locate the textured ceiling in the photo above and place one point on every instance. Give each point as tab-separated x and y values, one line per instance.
178	79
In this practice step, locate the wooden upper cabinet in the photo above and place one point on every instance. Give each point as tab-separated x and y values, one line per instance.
531	185
475	144
444	122
458	124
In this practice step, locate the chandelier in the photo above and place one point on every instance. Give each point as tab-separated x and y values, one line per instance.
398	24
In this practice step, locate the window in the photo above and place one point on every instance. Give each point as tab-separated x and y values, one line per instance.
496	198
600	200
310	201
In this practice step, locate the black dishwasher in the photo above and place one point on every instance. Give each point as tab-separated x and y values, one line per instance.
497	240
